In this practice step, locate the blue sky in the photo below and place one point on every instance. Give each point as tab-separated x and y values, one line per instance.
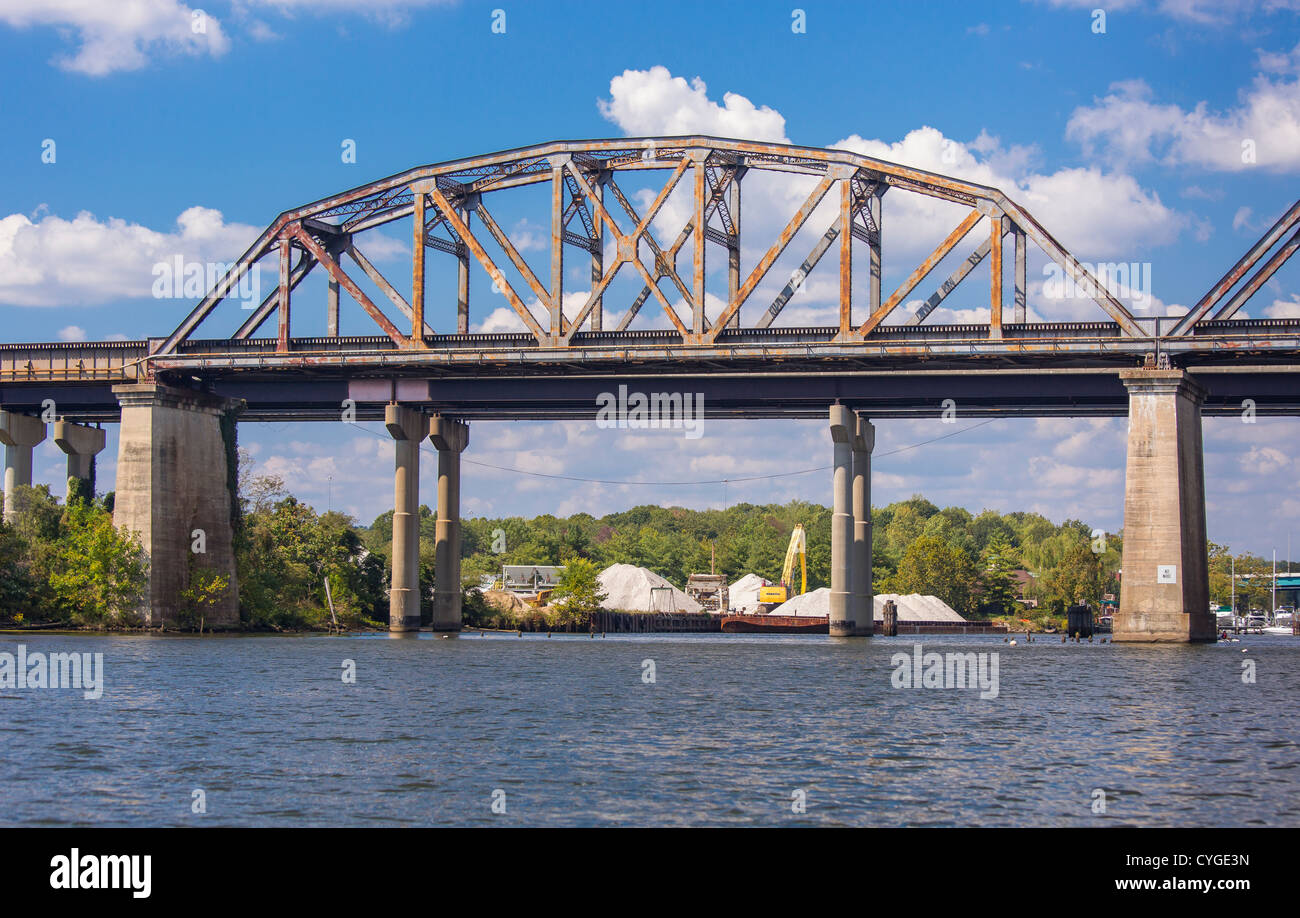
1126	143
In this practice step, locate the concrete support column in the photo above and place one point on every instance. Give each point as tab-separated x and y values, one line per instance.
1164	594
861	608
173	482
843	428
19	433
450	437
407	428
82	444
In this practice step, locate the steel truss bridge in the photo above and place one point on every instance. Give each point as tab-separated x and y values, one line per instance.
744	363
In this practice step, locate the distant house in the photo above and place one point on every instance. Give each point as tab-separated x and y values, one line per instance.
1022	579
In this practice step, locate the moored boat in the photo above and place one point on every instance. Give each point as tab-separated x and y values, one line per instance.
776	624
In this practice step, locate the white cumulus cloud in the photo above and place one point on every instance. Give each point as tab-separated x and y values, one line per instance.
119	35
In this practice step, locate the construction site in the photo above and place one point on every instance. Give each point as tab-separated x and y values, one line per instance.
638	600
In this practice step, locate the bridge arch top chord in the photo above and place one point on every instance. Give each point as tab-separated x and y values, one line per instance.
589	210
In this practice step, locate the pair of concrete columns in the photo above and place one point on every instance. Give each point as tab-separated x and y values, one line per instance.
408	427
854	437
21	434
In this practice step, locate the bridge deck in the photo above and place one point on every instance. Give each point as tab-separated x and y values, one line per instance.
1035	370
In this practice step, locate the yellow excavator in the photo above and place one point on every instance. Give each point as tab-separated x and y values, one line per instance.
769	597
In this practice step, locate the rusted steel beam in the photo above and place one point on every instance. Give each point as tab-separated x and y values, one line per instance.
920	272
1022	285
286	254
486	261
388	289
1053	249
733	244
223	286
875	213
348	284
555	302
997	226
521	265
272	300
697	261
772	254
462	281
846	258
663	265
1262	276
628	245
332	308
800	275
1237	272
957	276
417	269
597	257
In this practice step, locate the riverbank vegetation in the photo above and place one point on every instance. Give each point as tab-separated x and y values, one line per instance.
65	563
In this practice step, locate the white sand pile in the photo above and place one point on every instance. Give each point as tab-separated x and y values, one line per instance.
743	594
914	607
815	602
627	588
505	601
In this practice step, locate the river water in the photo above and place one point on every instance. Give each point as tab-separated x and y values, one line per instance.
733	730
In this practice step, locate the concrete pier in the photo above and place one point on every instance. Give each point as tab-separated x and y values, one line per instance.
861	607
407	427
82	444
1164	595
450	437
843	429
173	480
20	433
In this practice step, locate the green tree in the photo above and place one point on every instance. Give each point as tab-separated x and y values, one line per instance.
1078	578
997	586
935	567
578	593
98	574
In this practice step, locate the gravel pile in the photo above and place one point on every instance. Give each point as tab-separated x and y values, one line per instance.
743	594
627	588
814	602
912	607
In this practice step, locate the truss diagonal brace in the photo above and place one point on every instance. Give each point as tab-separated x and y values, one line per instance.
272	301
348	284
476	247
1237	272
920	272
972	261
1264	273
796	281
382	283
832	175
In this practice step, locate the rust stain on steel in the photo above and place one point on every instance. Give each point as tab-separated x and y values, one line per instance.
772	254
846	257
286	255
995	277
341	278
417	273
718	164
920	272
486	261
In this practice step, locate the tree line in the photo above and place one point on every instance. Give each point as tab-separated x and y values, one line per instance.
64	562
